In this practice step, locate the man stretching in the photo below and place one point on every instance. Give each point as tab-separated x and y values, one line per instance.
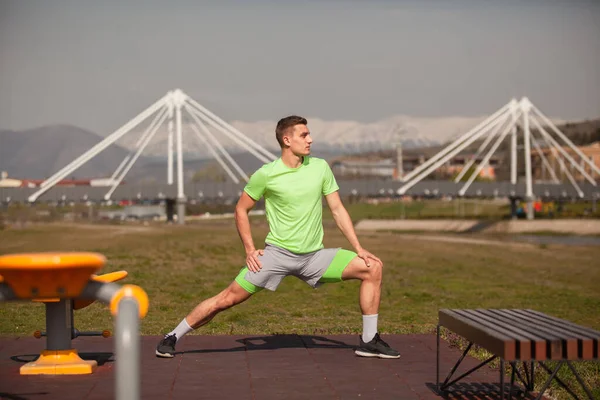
293	186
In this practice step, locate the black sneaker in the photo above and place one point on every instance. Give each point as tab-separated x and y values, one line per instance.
166	347
376	348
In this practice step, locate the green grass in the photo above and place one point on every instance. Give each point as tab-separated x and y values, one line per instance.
178	266
425	209
459	209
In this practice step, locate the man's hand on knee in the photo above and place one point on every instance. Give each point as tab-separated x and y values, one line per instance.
368	257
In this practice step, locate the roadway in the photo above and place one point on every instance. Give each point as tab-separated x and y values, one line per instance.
230	191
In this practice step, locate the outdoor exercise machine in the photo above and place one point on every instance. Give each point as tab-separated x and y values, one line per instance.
64	281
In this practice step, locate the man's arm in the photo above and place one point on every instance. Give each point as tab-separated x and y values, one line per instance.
342	219
344	223
242	223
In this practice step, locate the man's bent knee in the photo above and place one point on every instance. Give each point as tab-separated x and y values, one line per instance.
357	269
375	271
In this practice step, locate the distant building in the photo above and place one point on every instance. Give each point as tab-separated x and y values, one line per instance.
541	172
6	182
364	168
456	165
386	168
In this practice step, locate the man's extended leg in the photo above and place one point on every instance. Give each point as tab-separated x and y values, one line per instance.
237	292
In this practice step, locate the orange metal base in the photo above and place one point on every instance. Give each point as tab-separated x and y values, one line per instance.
59	362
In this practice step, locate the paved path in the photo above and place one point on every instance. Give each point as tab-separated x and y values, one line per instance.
587	226
252	367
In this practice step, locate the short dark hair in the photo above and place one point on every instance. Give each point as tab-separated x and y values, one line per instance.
285	123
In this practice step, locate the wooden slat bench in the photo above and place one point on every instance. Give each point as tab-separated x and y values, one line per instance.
519	335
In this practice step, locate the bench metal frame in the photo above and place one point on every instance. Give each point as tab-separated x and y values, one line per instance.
529	372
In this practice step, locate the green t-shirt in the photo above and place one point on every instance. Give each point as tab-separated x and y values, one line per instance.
293	202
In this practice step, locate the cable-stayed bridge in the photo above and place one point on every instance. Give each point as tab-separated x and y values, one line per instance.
513	119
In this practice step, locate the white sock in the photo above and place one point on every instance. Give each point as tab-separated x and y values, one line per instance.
181	329
369	327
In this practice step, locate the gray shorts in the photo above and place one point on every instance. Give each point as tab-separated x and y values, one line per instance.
277	263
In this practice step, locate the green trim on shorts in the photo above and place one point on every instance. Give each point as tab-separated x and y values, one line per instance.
338	264
249	287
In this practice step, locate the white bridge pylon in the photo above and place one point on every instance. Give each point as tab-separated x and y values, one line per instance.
169	107
498	126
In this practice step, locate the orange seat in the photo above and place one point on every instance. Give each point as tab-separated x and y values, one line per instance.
49	275
79	304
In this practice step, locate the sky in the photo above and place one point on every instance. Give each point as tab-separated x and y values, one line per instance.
97	64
